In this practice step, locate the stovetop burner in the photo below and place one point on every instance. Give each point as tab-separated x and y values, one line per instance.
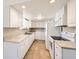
58	38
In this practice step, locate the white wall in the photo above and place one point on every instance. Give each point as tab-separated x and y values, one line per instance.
6	20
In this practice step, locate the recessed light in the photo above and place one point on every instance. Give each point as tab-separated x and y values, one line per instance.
23	7
52	1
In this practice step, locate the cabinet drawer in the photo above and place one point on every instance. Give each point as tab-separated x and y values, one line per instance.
57	49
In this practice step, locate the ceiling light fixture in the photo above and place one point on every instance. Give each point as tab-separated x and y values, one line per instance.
23	7
52	1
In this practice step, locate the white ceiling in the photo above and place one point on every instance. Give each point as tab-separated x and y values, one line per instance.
43	7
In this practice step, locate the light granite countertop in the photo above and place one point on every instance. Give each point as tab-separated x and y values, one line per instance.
14	35
66	44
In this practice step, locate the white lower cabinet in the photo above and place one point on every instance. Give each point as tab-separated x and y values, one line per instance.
40	35
64	53
21	51
69	54
17	50
58	52
10	51
24	46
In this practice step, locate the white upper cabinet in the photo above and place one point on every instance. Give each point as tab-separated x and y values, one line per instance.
60	18
15	18
38	24
71	13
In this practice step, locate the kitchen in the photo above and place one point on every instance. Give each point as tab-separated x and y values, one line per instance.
39	29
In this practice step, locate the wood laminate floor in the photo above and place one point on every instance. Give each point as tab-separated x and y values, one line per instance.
38	51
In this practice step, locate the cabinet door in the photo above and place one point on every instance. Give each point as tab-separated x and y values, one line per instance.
59	17
58	52
50	46
10	50
43	35
40	35
36	35
69	54
71	13
33	24
21	49
14	18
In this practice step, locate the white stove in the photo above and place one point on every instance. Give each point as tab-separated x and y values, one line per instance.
67	36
